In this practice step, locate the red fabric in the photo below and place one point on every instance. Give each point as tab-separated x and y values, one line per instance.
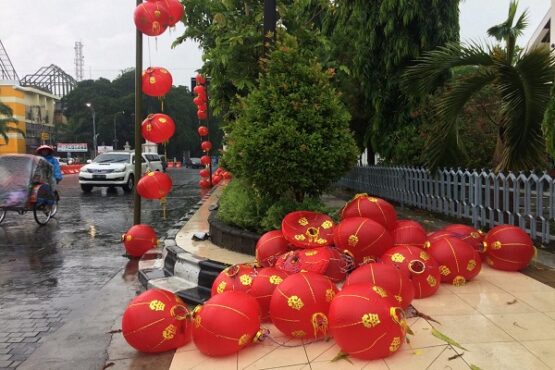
458	261
204	173
408	232
139	239
508	248
300	304
467	233
154	185
199	90
362	237
151	18
175	11
365	324
339	265
216	179
199	100
263	286
202	115
155	322
156	81
395	283
269	247
158	128
379	210
314	260
226	323
237	278
305	229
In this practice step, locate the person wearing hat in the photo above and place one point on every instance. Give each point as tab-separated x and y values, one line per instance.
46	152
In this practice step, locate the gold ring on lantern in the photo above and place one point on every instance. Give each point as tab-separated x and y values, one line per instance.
416	267
484	247
123	237
231	271
400	319
179	312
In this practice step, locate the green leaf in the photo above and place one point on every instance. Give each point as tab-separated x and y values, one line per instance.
341	356
474	367
436	333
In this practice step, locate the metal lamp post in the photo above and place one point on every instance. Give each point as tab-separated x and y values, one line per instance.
115	131
89	105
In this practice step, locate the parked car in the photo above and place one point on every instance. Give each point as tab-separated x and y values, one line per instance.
194	163
116	168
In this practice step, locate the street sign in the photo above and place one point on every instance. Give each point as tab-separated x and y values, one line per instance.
44	136
72	147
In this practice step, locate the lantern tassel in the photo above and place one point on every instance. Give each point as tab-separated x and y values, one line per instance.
164	203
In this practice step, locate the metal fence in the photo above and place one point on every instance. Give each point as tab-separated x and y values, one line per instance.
486	198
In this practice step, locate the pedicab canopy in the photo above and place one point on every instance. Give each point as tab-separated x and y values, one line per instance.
18	174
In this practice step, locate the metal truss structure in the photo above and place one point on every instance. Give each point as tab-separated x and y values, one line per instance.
52	79
7	71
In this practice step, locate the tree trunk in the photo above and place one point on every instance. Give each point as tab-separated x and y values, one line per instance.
499	147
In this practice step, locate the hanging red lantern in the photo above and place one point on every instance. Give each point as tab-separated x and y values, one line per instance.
395	283
200	79
139	239
216	179
408	232
156	321
154	185
377	209
263	286
418	265
269	247
458	261
203	106
158	128
227	175
299	305
199	100
365	239
508	248
205	160
204	172
305	229
467	233
157	81
151	18
436	235
206	146
175	11
204	183
226	323
366	323
234	278
202	131
200	90
202	115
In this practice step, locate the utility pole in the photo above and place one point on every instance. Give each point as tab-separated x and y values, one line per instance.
138	116
269	23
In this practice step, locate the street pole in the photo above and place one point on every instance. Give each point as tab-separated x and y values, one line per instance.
138	116
94	133
115	131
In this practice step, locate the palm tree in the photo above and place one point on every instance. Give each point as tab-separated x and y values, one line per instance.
6	117
522	80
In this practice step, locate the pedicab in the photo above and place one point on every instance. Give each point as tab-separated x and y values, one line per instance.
27	184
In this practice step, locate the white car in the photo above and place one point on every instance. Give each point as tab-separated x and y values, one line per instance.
116	169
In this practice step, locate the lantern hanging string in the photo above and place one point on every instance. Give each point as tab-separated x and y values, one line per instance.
267	335
149	60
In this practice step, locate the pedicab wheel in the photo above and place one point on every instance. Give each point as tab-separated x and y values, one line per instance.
42	213
2	214
54	209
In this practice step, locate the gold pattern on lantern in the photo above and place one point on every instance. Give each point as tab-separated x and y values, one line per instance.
471	265
330	293
327	224
303	221
276	280
300	237
319	323
246	279
321	241
149	127
156	305
431	280
427	244
373	200
398	298
196	321
353	240
221	287
475	235
295	302
370	320
243	340
459	281
424	256
310	253
157	13
380	291
298	333
152	80
395	344
496	245
444	270
169	332
162	120
397	257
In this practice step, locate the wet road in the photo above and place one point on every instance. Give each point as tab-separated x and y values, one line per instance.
46	270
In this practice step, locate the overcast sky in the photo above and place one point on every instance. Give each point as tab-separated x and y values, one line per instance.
38	33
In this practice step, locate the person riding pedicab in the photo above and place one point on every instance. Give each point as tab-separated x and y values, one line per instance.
47	152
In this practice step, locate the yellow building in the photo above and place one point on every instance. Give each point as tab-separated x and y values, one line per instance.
34	111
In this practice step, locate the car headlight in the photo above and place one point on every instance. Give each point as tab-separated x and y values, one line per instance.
119	170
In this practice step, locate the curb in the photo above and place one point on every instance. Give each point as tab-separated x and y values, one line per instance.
171	268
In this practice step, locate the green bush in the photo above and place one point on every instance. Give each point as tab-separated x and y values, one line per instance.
239	206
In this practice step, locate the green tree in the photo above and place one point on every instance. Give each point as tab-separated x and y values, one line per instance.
521	79
6	117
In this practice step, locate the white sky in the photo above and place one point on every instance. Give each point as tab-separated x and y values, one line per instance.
38	33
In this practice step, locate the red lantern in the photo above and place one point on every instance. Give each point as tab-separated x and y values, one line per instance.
377	209
203	106
418	265
175	11
366	323
206	146
263	287
408	232
299	305
269	247
234	278
202	115
313	260
156	321
151	18
204	183
200	79
437	235
157	81
154	185
458	261
226	323
205	160
508	248
305	229
204	173
203	131
158	128
363	238
227	175
395	283
216	179
139	239
339	265
467	233
199	100
199	90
